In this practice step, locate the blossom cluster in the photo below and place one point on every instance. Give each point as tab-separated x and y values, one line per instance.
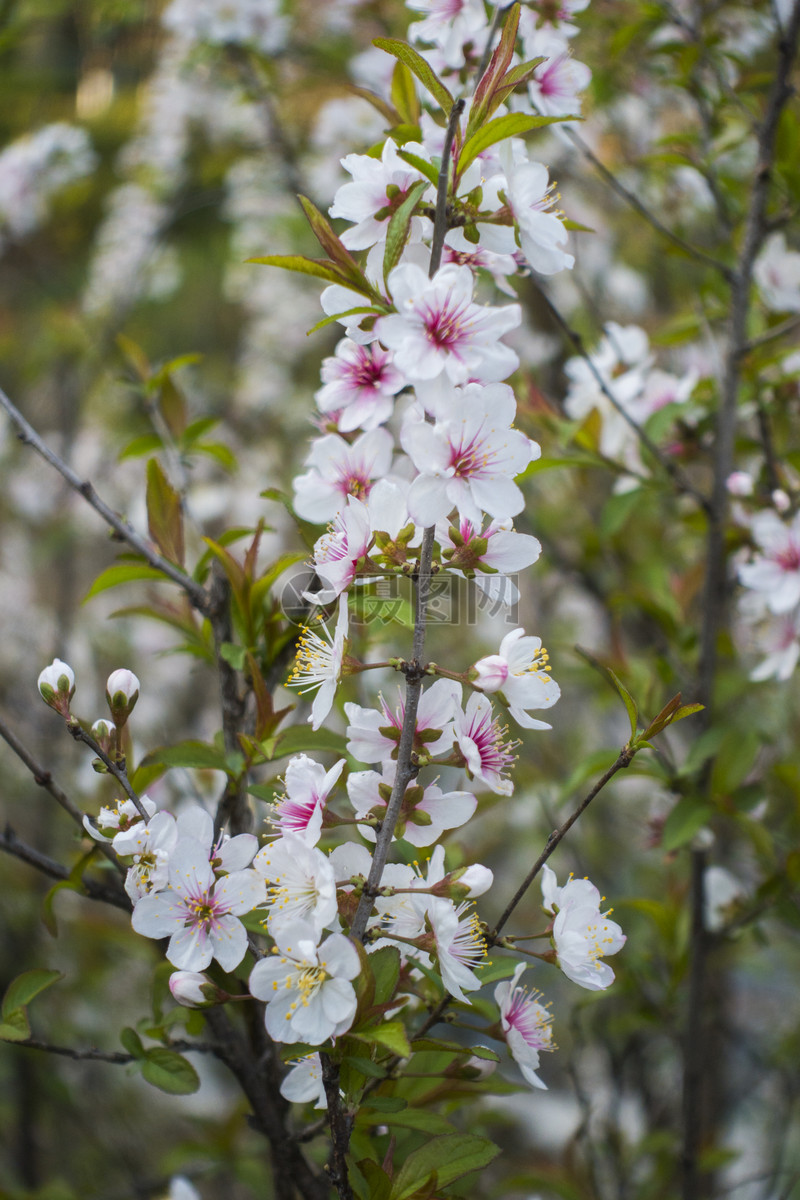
416	446
34	169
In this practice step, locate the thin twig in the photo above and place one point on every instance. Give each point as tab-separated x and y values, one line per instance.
44	779
11	844
113	768
84	488
633	200
108	1056
770	335
233	808
623	760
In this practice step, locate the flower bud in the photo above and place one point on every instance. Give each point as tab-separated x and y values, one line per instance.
739	483
464	883
490	673
57	686
193	990
103	733
122	692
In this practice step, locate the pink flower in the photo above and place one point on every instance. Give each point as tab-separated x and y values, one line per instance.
526	1024
469	458
378	188
337	552
360	385
340	469
438	328
308	786
480	739
555	88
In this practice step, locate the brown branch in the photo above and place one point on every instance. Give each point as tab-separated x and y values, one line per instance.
114	768
121	527
44	779
233	808
108	1056
623	760
635	203
11	844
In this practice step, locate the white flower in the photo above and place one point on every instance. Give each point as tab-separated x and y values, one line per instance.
122	683
378	188
199	914
776	572
301	885
124	815
582	935
307	987
777	275
520	670
450	24
319	663
304	1082
460	945
150	845
374	736
530	197
425	813
438	328
308	786
340	469
557	83
469	458
526	1025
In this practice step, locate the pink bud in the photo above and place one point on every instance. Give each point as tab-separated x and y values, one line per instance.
492	672
193	990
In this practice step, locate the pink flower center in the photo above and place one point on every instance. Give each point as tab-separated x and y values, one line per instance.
496	755
530	1019
446	327
469	460
789	559
366	373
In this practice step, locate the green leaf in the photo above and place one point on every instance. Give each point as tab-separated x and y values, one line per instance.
429	1122
26	986
387	112
122	573
391	1034
164	514
686	819
187	754
299	739
347	312
404	94
148	443
436	1045
385	966
448	1158
429	170
332	244
15	1027
424	73
609	676
320	268
397	232
170	1072
385	1104
132	1042
234	655
497	130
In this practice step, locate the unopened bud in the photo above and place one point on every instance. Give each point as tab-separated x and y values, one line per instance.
57	686
464	883
193	990
122	692
740	483
781	500
103	733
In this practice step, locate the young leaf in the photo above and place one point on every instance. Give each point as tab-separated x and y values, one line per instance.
391	1034
187	754
397	232
424	73
623	693
132	1042
404	94
170	1072
320	268
164	514
121	573
509	125
448	1158
686	819
429	170
23	989
331	243
300	738
498	65
15	1027
386	110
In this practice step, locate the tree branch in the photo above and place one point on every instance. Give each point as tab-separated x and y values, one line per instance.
84	488
11	844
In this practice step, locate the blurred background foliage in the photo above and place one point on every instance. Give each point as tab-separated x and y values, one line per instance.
187	162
